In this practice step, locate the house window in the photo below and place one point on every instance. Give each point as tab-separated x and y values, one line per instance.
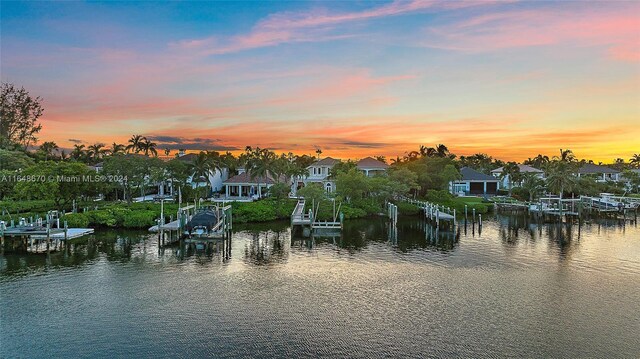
328	187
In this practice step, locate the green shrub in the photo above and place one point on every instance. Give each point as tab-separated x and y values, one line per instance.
407	209
439	196
76	220
352	212
259	211
140	219
444	198
520	194
102	217
366	204
15	207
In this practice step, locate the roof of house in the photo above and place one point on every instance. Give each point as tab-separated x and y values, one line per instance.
327	161
523	169
189	157
588	168
370	163
245	177
469	174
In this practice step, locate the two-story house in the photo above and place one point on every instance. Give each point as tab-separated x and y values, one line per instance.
319	172
600	173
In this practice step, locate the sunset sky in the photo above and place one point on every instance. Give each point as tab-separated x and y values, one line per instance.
511	79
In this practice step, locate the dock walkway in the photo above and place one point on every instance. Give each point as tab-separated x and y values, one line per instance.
298	217
433	211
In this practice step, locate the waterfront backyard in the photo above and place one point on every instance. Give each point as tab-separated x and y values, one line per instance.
515	289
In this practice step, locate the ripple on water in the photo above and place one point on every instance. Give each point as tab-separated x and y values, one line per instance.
528	291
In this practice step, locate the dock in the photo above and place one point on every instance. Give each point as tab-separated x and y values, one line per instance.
554	208
174	231
39	235
434	212
506	204
298	217
72	233
309	219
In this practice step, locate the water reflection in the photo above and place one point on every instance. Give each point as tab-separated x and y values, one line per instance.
268	247
113	245
273	243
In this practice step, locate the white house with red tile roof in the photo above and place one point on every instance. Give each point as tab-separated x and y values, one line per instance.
243	187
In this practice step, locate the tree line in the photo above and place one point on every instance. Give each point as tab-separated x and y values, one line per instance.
416	173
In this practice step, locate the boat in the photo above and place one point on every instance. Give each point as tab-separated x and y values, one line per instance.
203	223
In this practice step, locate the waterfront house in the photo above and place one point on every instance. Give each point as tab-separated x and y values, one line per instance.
474	183
319	172
242	187
504	182
371	167
215	178
600	173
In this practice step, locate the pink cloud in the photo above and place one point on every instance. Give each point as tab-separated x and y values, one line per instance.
322	17
312	26
617	29
626	52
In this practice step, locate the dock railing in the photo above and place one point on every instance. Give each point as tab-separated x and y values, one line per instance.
432	211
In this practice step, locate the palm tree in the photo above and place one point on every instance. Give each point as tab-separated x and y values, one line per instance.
396	161
47	148
442	150
532	184
297	171
134	143
230	161
279	166
259	163
512	171
116	148
167	152
382	159
78	152
423	150
318	152
635	160
96	151
539	161
561	178
200	168
216	162
411	156
147	146
566	156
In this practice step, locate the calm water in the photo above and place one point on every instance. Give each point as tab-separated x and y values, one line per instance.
514	290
